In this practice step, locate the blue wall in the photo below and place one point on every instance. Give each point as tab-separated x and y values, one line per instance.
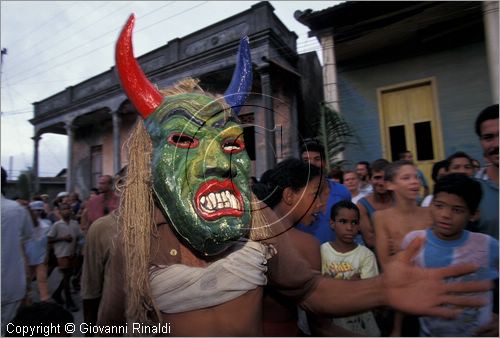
462	86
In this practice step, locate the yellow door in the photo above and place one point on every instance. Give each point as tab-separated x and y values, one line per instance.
409	121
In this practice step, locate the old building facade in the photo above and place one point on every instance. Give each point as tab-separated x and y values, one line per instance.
409	75
97	117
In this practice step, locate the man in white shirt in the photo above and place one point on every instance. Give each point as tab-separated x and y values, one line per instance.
17	227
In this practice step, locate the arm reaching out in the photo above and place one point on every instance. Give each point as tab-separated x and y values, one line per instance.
402	286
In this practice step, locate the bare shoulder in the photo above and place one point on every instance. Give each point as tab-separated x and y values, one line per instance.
384	215
303	238
308	247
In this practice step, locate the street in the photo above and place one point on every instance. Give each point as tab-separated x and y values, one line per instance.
53	281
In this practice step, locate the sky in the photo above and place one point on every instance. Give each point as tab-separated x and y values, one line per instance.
52	45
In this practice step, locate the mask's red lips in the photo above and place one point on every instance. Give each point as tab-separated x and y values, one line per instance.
215	199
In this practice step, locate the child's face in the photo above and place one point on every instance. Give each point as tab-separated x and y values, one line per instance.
406	182
65	210
346	225
450	215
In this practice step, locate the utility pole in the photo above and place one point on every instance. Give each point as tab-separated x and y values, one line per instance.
11	165
4	52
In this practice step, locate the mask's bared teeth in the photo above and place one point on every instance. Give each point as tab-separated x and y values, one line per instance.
229	199
219	200
212	198
216	199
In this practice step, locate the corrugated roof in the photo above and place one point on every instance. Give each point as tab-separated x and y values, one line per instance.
353	12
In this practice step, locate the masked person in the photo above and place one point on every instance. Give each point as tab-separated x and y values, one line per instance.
197	247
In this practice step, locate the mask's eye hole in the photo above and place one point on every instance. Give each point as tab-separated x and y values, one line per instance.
231	146
181	140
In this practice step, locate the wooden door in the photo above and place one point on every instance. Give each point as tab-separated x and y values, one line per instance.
409	121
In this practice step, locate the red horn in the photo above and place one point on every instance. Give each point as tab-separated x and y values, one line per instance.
143	94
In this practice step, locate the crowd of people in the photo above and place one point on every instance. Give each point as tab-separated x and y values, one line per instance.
47	235
196	246
347	227
396	208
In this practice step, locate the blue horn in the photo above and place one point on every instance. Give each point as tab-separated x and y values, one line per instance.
241	83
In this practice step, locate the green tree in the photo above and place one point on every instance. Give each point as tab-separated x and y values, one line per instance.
24	184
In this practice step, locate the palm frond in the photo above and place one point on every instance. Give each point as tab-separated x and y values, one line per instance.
334	133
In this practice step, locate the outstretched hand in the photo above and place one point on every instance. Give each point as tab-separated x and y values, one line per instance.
423	291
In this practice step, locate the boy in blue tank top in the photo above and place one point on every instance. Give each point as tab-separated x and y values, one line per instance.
455	203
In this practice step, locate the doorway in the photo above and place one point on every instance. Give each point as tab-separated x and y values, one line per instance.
410	121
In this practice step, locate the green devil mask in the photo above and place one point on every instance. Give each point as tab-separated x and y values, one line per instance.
199	164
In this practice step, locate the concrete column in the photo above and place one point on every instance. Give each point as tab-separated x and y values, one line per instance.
330	82
330	72
490	14
36	181
69	170
116	142
266	154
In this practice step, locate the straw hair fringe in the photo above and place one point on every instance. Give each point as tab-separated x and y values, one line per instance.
137	220
190	85
259	224
184	86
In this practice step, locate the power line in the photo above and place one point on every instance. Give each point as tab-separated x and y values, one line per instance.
18	74
20	110
45	82
300	45
112	31
50	20
98	48
12	113
170	17
18	94
7	114
64	29
83	45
